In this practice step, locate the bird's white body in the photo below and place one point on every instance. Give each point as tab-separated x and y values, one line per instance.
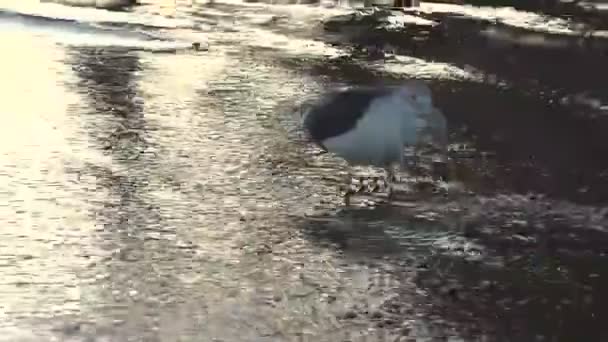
371	126
391	122
379	137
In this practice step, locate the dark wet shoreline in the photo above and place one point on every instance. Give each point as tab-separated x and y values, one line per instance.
527	123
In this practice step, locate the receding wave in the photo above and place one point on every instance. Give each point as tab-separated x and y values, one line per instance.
83	14
71	32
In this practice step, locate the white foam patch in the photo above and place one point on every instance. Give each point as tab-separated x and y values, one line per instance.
324	9
116	41
58	11
600	34
264	38
290	45
506	15
402	20
593	5
259	37
90	36
459	246
420	68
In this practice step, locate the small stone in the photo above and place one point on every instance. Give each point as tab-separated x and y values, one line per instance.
350	315
486	285
376	315
434	282
588	299
389	321
198	47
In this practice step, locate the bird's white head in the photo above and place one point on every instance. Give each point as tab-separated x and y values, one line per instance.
417	95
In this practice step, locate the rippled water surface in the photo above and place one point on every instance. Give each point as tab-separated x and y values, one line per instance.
152	192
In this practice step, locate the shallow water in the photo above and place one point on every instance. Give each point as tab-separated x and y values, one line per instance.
155	193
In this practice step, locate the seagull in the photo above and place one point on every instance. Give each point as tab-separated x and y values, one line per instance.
371	125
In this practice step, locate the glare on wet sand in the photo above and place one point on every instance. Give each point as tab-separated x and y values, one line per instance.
47	227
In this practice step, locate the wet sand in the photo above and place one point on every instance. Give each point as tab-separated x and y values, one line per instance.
157	193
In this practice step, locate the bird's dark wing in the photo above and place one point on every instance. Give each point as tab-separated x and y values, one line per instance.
339	112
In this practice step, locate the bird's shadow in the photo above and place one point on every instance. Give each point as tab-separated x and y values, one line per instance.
375	229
